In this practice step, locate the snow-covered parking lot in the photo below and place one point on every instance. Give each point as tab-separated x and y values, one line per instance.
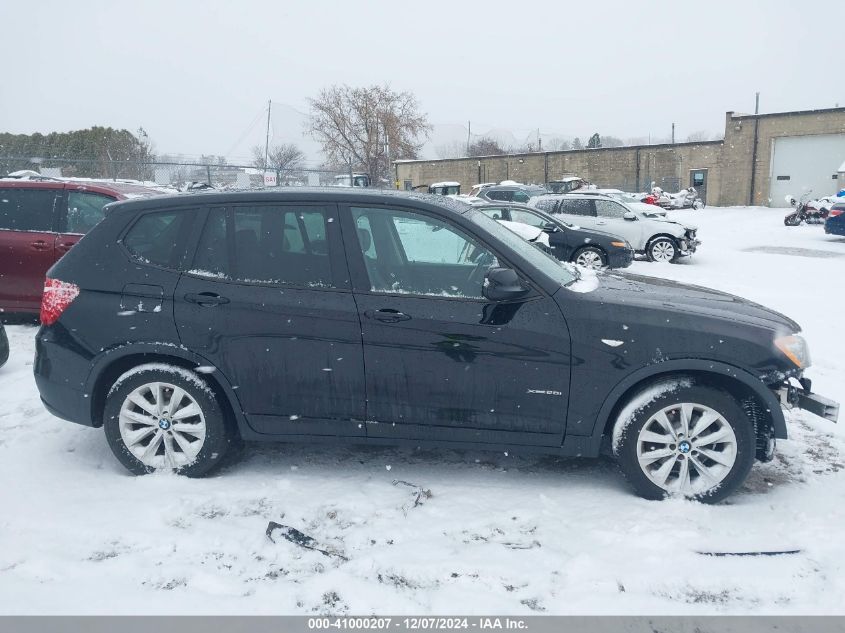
474	533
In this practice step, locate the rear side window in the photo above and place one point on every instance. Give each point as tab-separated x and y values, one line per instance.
154	238
266	244
577	207
84	210
548	205
520	196
28	209
505	196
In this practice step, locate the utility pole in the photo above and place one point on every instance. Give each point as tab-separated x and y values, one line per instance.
673	133
267	135
539	141
469	134
756	103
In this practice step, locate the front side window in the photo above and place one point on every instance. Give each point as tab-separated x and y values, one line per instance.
273	244
84	210
410	253
27	209
609	209
154	238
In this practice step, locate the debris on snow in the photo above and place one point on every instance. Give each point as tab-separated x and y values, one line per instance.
296	537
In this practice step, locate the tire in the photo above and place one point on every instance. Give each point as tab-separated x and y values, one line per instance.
590	257
192	440
793	219
698	204
713	469
662	249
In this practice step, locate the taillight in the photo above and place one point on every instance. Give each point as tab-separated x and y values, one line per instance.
58	295
834	212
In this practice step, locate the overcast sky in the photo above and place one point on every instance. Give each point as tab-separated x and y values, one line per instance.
197	75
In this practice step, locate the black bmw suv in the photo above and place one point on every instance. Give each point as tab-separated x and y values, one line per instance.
186	324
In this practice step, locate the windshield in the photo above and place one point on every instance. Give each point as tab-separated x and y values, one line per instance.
557	270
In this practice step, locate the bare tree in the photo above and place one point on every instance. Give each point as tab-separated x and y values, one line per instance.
285	157
367	128
701	135
485	146
452	149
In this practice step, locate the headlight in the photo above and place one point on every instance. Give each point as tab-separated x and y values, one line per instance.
795	349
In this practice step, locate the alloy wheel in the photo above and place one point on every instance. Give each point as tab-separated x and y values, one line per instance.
589	259
687	448
162	425
663	251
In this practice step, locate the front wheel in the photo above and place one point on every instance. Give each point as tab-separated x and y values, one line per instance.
793	219
662	249
590	257
162	417
679	438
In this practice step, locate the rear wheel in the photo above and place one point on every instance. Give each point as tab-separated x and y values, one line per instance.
662	249
590	257
161	417
685	439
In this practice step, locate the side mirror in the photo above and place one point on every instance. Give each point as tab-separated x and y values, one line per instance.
551	227
630	216
501	284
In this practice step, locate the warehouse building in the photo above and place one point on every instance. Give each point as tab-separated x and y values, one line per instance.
762	158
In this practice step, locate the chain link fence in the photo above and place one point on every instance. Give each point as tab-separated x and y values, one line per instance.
179	175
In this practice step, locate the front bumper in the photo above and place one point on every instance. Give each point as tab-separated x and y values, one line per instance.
620	257
801	397
688	246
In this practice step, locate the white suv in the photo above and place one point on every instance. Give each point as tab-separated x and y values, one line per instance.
660	239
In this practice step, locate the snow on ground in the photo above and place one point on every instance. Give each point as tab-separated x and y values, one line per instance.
500	534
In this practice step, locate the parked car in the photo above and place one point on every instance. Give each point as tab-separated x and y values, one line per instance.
40	220
185	324
4	346
569	243
567	184
476	189
531	234
634	202
449	188
835	223
661	240
511	193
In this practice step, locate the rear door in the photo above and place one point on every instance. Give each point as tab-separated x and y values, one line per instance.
267	301
83	210
580	211
28	219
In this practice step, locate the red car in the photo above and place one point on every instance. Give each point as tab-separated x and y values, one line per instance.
40	220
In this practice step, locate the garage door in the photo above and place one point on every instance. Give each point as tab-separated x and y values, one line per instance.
805	163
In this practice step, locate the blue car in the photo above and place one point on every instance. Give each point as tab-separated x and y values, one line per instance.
835	224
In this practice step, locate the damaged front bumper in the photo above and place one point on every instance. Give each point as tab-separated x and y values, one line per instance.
801	396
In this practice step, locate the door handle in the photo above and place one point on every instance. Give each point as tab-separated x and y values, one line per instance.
205	299
39	245
387	315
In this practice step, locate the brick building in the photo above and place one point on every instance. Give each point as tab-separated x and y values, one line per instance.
789	151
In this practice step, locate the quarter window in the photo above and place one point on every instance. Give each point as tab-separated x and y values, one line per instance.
84	210
154	238
27	209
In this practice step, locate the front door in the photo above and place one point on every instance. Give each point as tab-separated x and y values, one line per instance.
267	302
27	245
442	362
698	180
